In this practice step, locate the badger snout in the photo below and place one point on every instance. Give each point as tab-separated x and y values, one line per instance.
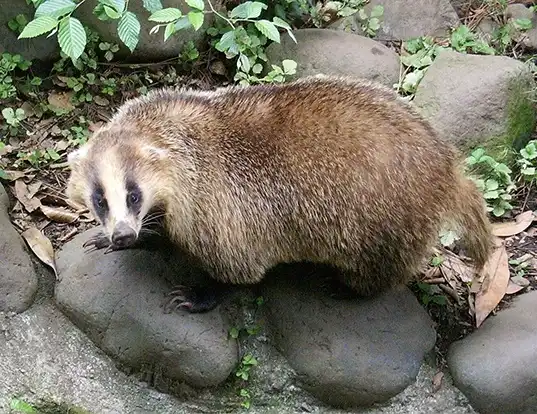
123	235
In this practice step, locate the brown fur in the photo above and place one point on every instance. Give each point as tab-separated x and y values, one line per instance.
323	169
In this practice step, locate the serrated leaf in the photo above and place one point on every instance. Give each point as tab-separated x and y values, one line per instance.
196	19
55	8
170	30
247	10
166	15
182	23
128	30
111	12
226	41
152	5
72	37
196	4
289	66
38	26
281	23
268	29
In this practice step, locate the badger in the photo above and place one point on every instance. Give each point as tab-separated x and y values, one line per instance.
325	169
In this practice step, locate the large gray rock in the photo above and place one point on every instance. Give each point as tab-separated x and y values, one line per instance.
150	47
348	353
333	52
478	100
406	19
18	281
496	366
39	48
117	298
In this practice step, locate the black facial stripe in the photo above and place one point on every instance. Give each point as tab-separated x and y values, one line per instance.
99	202
134	197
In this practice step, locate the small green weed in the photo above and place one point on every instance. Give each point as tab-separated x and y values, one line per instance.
431	294
528	161
8	65
495	181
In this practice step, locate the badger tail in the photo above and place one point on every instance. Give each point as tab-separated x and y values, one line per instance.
469	212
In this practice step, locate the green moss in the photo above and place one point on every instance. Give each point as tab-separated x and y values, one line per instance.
521	120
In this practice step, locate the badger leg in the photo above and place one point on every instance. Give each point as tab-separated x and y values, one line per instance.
196	299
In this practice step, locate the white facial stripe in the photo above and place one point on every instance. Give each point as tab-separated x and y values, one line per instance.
113	181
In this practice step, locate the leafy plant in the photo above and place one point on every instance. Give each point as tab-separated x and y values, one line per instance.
528	161
495	181
419	55
13	118
431	294
21	406
371	23
463	40
8	65
18	23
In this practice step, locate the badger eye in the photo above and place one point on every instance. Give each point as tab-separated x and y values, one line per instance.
100	201
134	197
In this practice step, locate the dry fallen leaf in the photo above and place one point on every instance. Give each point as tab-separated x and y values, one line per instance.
14	175
101	101
58	214
521	223
437	380
61	100
496	272
22	194
513	288
454	268
41	246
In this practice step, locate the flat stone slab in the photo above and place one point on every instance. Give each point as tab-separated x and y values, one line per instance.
18	280
117	298
334	52
496	366
476	99
349	353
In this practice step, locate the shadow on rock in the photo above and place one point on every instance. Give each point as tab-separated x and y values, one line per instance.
347	352
117	300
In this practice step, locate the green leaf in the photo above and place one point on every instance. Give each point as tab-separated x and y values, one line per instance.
498	211
196	19
170	30
196	4
117	5
289	66
281	23
377	11
166	15
128	30
491	195
523	24
152	5
8	114
182	23
55	8
491	184
72	37
243	63
38	26
20	405
111	12
226	41
248	10
268	29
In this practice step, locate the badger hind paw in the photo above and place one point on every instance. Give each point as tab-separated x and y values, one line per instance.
192	299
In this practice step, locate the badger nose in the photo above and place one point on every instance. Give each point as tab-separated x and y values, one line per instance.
123	235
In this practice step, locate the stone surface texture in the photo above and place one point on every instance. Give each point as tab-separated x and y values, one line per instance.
117	298
496	366
18	281
406	19
469	99
334	52
349	353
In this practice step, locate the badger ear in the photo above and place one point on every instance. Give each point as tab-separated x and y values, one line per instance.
154	153
77	155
